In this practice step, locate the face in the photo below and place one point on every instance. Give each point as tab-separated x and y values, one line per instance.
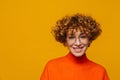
77	42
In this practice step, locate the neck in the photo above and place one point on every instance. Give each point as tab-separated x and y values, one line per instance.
81	59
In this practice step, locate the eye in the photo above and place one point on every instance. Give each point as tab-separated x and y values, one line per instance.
83	36
71	37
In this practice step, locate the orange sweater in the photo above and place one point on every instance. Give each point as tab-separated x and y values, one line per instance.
70	67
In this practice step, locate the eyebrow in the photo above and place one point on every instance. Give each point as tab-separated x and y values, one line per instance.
74	33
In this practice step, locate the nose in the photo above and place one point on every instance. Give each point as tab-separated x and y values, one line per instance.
77	42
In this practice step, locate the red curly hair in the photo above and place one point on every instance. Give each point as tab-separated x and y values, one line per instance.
86	24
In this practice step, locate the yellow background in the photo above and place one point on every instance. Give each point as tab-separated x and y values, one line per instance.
26	43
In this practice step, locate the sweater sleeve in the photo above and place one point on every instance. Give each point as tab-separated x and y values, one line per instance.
106	76
45	75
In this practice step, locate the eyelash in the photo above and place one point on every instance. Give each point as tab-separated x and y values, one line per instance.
82	36
71	37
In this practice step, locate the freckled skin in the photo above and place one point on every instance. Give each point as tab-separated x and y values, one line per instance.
77	43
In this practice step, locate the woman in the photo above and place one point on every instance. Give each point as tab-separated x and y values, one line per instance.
77	33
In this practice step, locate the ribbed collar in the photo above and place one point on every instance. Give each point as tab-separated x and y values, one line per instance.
79	60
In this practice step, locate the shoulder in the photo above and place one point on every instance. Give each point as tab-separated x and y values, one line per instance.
98	71
55	62
97	67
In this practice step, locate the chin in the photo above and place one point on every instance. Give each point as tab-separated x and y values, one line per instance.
77	54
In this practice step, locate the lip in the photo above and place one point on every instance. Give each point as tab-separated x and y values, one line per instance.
77	49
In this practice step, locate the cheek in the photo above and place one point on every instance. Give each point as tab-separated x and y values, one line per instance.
69	42
86	42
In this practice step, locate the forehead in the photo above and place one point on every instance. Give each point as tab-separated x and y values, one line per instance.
80	29
74	30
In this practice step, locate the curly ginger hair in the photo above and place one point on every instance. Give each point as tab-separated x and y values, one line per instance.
86	24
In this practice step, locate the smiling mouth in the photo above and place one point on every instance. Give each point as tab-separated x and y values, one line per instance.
78	49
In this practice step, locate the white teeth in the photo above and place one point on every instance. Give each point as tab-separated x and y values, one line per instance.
77	50
77	47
